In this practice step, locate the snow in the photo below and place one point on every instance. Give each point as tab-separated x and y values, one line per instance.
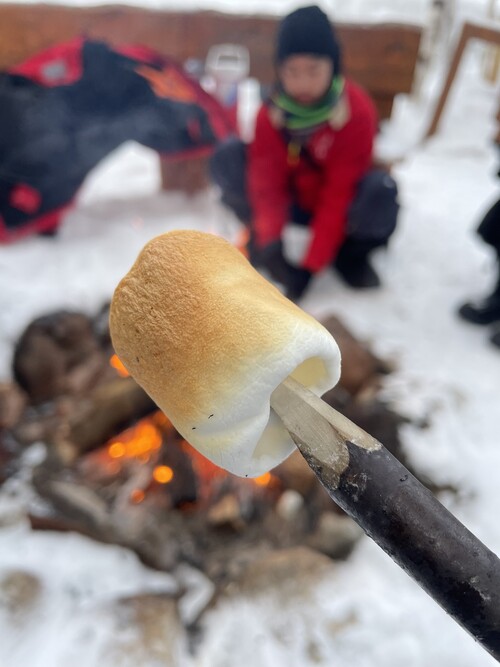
447	373
361	11
353	10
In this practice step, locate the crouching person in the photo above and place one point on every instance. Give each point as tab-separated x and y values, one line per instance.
310	163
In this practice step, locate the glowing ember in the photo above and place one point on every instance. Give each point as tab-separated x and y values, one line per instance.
163	474
117	450
118	366
140	444
205	469
242	242
161	420
263	480
137	496
136	442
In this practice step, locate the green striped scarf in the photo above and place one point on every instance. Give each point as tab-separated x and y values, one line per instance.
301	121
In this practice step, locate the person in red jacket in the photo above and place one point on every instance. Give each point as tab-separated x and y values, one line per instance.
310	163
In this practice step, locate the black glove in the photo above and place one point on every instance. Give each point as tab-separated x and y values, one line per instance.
293	279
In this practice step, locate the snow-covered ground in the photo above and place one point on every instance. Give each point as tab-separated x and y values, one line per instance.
447	373
354	10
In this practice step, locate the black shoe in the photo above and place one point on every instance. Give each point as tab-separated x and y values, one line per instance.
482	312
358	274
495	339
50	233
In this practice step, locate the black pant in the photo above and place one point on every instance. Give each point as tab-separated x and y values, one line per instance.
489	231
489	227
372	216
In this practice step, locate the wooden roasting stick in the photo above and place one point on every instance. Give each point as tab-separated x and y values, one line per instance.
157	309
397	511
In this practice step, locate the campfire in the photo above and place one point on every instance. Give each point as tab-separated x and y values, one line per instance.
117	470
170	470
144	440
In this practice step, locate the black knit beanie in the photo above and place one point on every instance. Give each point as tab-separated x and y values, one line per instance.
307	31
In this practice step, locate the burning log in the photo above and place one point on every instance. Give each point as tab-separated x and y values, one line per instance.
105	413
174	460
73	505
400	514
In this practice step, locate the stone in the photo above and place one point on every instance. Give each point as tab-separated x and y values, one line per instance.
226	512
287	574
148	632
335	535
19	593
296	475
289	505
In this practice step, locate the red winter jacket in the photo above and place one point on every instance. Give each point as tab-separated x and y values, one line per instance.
322	181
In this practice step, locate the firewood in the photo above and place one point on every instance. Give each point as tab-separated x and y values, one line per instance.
49	351
226	512
12	404
109	409
360	367
72	505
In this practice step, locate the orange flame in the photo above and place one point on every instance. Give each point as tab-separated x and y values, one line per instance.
117	364
137	496
160	420
163	474
142	441
136	442
242	242
117	450
263	480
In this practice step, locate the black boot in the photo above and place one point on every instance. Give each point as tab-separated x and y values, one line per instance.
54	231
495	338
485	311
353	265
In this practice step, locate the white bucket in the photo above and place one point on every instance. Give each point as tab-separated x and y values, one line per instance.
227	65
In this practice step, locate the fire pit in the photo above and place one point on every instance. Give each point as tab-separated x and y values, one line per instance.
118	471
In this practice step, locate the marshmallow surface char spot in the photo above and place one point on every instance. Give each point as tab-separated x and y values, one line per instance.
209	339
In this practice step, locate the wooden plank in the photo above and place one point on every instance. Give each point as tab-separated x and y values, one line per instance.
384	103
380	57
469	31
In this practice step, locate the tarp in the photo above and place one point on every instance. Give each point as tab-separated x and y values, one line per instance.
64	110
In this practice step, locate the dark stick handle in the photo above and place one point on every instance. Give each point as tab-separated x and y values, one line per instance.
397	512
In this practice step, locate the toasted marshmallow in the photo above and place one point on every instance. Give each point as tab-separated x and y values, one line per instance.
209	339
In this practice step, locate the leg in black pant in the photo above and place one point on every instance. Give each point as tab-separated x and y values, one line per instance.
353	265
372	220
228	170
487	310
495	339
